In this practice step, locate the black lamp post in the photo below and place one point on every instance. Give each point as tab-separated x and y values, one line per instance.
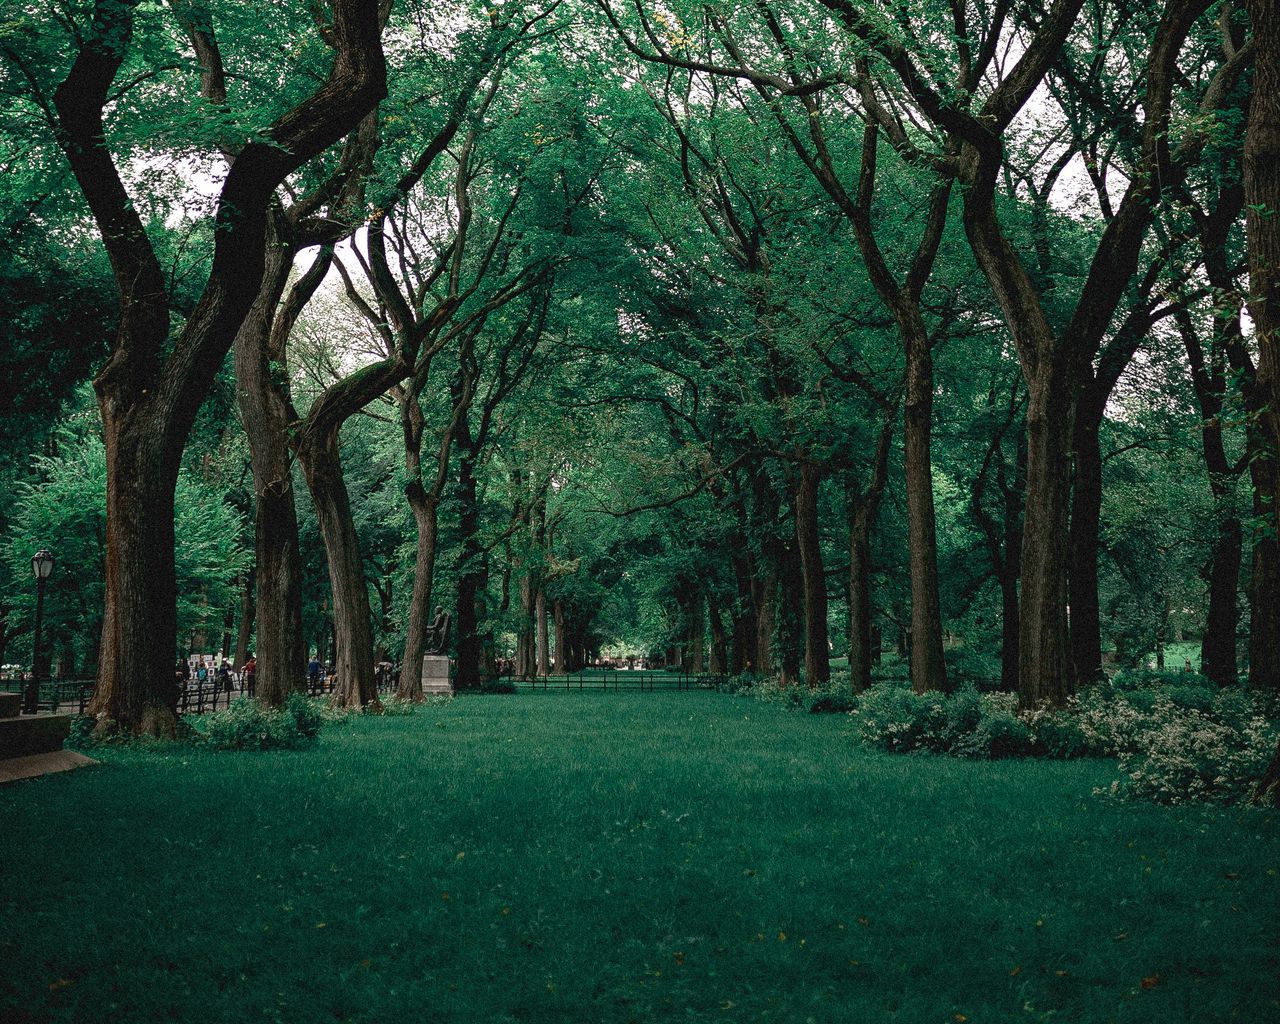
42	567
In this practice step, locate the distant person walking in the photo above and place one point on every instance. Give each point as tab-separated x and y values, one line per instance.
251	675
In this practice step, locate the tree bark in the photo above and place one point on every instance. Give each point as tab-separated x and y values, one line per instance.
1262	228
765	591
135	689
263	398
425	519
928	664
544	646
817	655
352	621
863	509
1085	621
1043	641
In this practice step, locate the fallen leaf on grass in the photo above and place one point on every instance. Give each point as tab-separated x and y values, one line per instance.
1016	971
60	983
1151	982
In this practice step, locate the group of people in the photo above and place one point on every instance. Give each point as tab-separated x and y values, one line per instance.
220	673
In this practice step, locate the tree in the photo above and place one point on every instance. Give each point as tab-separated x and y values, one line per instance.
151	385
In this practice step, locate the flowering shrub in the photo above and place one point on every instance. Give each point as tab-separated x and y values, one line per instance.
1193	756
894	718
1177	744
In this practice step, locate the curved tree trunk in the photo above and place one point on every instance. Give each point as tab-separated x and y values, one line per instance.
152	385
352	625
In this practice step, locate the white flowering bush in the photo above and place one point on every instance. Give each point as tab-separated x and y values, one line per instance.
1187	756
1212	748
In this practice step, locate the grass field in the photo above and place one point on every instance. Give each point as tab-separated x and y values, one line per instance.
623	857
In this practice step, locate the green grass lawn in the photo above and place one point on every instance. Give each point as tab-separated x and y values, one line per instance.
617	857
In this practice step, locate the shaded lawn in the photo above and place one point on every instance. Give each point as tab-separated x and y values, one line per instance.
618	857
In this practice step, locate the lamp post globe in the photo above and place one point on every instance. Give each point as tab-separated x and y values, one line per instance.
41	568
42	564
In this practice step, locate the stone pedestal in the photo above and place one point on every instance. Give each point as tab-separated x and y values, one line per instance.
435	674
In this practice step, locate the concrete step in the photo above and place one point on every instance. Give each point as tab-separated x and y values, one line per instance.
10	705
15	769
33	734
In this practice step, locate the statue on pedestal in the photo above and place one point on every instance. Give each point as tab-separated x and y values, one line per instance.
437	634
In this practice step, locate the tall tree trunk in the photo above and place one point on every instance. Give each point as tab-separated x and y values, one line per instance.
140	618
263	398
526	653
765	591
352	625
863	509
817	655
1086	519
860	610
790	613
928	665
1264	582
1043	644
543	640
425	520
1262	224
1262	196
472	564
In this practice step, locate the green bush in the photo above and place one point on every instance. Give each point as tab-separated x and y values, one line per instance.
247	725
1190	756
308	714
894	718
